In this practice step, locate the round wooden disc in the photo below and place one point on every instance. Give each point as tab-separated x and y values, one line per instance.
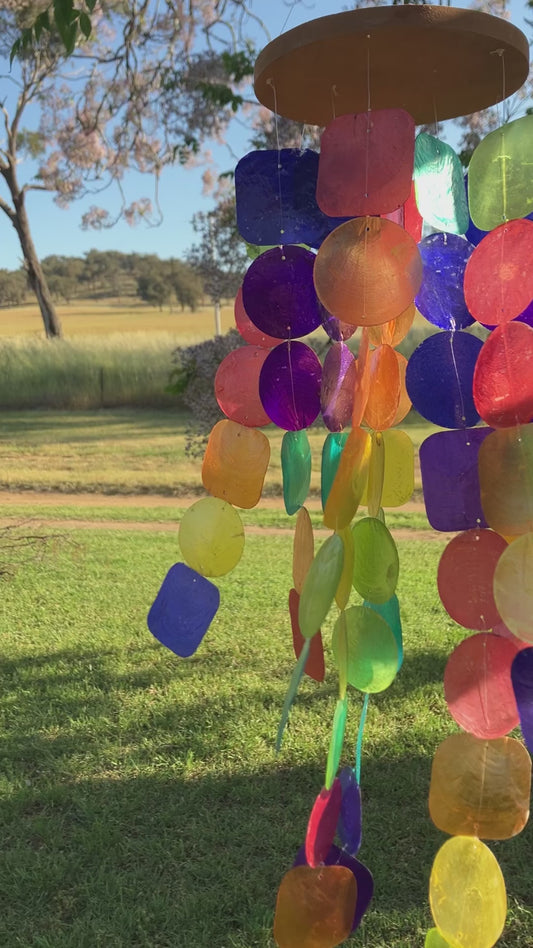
435	62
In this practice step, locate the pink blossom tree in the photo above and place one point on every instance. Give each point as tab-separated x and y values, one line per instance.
131	84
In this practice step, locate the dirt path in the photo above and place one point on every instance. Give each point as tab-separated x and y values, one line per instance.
51	499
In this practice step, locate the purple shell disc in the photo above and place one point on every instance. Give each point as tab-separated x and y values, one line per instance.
441	298
338	385
439	379
279	295
349	826
450	479
522	678
289	386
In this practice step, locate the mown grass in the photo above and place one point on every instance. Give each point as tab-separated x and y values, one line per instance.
128	451
142	801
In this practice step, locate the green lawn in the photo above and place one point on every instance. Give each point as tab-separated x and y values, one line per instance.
143	805
128	451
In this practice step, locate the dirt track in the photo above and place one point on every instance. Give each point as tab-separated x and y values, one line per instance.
50	499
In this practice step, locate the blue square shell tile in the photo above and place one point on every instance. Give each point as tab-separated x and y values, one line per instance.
183	610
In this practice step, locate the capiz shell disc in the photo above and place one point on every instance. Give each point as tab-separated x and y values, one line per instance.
434	939
505	472
439	185
498	279
183	610
237	386
363	877
289	385
522	677
249	332
315	907
385	387
503	376
372	649
211	537
513	587
338	383
367	271
320	585
441	298
350	480
500	175
480	787
278	292
439	378
376	562
303	549
366	163
323	823
465	578
467	893
314	666
296	469
235	463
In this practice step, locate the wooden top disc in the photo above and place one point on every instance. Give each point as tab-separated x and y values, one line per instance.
435	62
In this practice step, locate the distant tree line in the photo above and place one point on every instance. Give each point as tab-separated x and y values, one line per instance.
110	273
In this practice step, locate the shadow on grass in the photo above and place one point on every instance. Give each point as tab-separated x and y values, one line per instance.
148	848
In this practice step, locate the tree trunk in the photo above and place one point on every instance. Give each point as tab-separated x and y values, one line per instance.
32	265
218	321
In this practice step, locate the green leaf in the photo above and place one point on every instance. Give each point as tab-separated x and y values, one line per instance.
15	49
64	13
90	4
85	25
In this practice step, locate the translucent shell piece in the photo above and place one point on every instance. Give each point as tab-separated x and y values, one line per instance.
480	788
296	469
439	185
405	404
338	383
211	537
331	455
393	332
385	387
362	380
289	385
276	202
363	877
303	549
372	650
503	376
344	588
314	666
478	687
467	893
366	163
249	332
315	907
183	610
465	578
500	175
505	472
439	378
237	386
441	298
349	827
450	479
376	474
513	587
336	740
498	280
368	271
376	563
323	823
522	678
399	469
320	585
434	939
235	463
278	292
350	481
390	611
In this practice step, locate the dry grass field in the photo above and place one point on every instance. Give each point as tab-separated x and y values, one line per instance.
101	317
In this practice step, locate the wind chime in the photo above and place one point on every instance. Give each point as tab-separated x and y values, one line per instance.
346	253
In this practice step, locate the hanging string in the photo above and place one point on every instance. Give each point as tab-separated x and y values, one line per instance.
270	82
359	744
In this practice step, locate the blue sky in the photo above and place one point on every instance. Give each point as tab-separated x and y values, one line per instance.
58	231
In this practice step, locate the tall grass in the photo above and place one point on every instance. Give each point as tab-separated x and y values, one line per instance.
87	371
